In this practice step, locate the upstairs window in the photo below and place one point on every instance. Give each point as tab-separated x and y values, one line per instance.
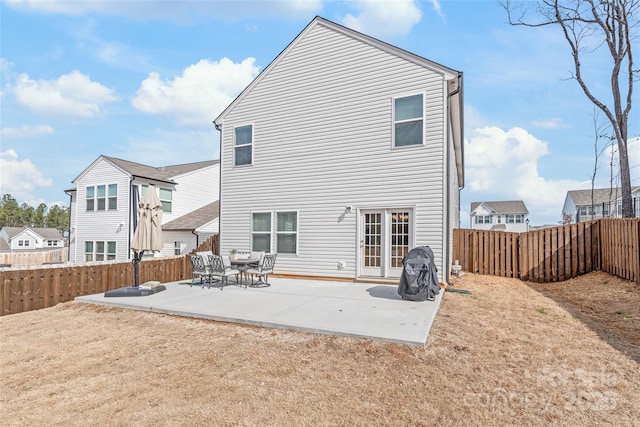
243	145
165	196
91	203
408	117
113	197
102	197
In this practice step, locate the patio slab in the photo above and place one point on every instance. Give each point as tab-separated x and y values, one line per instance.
364	310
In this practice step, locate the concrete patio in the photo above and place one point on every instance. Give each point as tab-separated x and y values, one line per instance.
365	310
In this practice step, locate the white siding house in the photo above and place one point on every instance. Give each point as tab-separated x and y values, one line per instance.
585	205
31	238
341	156
510	215
104	201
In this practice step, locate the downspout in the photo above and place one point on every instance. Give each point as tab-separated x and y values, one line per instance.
219	248
448	178
69	243
132	219
197	237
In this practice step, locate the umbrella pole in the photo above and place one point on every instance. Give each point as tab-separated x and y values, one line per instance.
137	256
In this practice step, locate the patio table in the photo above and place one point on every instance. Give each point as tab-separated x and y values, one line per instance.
242	265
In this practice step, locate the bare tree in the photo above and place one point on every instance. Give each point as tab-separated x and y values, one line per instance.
588	25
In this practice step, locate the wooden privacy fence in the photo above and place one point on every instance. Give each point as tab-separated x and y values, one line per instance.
553	254
38	287
35	287
35	257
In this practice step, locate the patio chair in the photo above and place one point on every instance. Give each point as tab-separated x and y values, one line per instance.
264	268
222	269
199	269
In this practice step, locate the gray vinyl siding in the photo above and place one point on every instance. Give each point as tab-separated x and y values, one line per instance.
322	118
102	225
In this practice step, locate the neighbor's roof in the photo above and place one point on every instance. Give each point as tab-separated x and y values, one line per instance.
600	195
45	233
162	173
195	219
503	207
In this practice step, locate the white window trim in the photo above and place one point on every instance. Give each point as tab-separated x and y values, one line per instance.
233	136
297	232
393	120
106	197
270	232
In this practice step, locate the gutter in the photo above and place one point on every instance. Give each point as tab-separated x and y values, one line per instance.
448	177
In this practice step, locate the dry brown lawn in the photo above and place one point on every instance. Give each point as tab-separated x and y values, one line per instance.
509	353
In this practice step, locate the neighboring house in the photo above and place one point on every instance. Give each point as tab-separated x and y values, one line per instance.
511	215
199	225
580	206
30	238
341	156
105	199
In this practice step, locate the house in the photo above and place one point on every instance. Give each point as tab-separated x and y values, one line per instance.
30	239
105	199
343	154
580	206
511	215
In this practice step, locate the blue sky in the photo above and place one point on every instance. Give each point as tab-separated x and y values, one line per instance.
85	78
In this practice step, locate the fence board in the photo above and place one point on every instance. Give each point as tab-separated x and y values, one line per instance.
553	254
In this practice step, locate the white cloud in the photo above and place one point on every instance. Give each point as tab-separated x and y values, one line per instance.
20	177
384	18
503	165
26	131
72	94
199	94
553	123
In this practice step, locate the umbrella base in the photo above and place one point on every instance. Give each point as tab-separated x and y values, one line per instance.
134	291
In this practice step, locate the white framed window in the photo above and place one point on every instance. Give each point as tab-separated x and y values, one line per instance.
166	196
177	248
243	145
99	251
483	219
88	251
90	197
287	232
102	197
261	231
113	197
24	243
408	120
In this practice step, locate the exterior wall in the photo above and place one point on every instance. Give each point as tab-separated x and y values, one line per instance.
102	225
188	242
194	190
34	241
322	122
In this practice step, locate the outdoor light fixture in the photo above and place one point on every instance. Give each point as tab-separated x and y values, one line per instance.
348	209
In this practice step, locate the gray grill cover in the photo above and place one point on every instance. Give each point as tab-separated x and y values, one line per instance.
419	281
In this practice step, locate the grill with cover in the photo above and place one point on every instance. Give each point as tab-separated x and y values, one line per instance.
419	281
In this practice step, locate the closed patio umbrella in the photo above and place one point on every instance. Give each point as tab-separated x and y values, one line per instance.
147	236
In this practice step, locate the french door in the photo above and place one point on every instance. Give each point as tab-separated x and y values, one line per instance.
386	236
